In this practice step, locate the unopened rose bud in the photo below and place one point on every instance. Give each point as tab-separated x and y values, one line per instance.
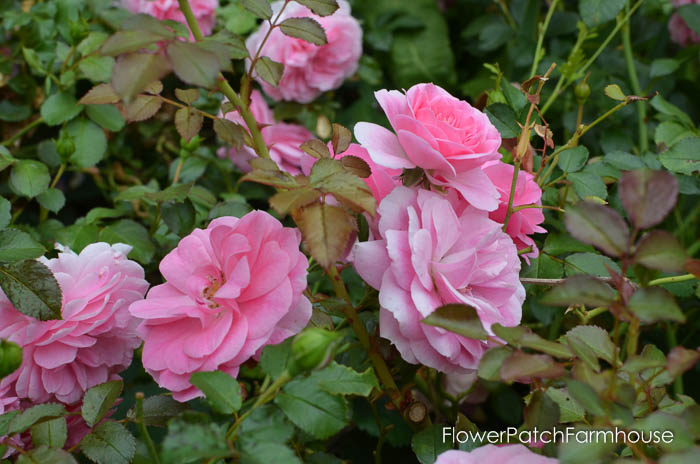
313	349
582	91
65	146
10	358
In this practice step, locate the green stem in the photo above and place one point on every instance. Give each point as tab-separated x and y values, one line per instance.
144	430
671	280
540	39
380	367
258	141
513	184
178	170
561	85
636	88
264	398
43	212
23	131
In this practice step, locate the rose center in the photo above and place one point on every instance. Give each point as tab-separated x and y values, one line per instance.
215	282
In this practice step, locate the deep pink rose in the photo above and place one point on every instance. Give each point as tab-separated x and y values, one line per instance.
430	252
524	222
204	11
310	70
282	139
508	454
96	338
680	32
230	290
435	131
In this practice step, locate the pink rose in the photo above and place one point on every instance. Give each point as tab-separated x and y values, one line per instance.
230	290
431	252
310	70
508	454
524	222
204	11
435	131
96	338
282	139
680	32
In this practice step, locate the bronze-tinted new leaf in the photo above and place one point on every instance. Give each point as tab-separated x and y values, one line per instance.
289	200
356	166
269	71
326	230
188	122
230	132
342	138
316	148
648	196
101	94
599	226
193	64
132	73
141	108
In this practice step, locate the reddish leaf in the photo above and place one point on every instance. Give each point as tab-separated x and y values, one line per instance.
599	226
660	250
648	196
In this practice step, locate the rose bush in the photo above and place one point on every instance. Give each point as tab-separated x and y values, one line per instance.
370	229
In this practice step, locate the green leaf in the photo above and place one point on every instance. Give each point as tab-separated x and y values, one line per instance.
588	184
90	142
177	192
12	112
573	159
52	433
330	176
585	452
134	72
663	67
615	92
691	16
59	108
16	245
458	318
668	133
594	339
580	289
683	157
107	116
129	41
194	442
320	7
541	412
230	132
519	366
671	111
585	396
52	199
570	410
109	443
6	158
193	64
5	218
97	68
99	399
266	453
179	216
648	196
589	263
158	410
260	8
222	391
595	12
490	364
313	410
34	414
266	424
653	304
289	200
338	379
29	178
428	444
660	250
45	455
274	358
131	233
269	71
188	122
32	289
306	29
92	42
681	360
624	161
504	119
599	226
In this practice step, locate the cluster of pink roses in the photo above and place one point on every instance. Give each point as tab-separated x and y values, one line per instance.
444	245
680	32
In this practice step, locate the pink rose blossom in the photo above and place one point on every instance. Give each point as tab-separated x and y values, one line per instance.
522	223
508	454
432	251
680	32
435	131
96	338
204	11
310	70
282	139
230	290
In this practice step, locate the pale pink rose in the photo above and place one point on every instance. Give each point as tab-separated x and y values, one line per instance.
432	251
96	338
310	70
283	140
435	131
524	222
204	11
230	290
680	32
508	454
